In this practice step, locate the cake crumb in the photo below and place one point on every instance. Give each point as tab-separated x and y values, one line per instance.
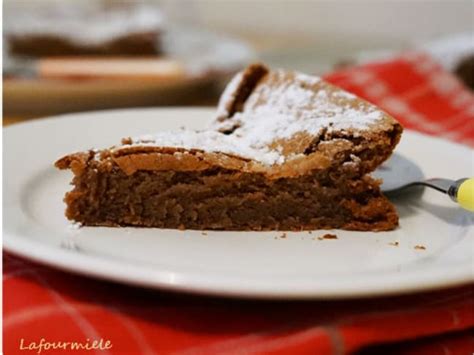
75	225
420	247
283	236
310	232
328	236
395	244
204	233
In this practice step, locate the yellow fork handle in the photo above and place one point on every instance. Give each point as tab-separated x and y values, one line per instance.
465	194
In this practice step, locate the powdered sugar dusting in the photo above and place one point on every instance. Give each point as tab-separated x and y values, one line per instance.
288	105
282	105
308	79
209	141
344	95
228	95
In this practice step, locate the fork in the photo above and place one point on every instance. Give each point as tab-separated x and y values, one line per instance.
460	191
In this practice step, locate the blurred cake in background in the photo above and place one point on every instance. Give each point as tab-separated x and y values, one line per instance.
83	28
456	54
465	71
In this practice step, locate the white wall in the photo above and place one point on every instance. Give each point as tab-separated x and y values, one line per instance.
398	20
312	35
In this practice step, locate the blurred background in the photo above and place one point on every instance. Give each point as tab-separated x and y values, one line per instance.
69	56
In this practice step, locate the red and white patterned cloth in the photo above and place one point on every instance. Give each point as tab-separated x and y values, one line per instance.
40	302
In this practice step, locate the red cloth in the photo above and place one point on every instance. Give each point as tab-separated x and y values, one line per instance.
41	302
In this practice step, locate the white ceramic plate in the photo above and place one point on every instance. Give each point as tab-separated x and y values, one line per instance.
243	264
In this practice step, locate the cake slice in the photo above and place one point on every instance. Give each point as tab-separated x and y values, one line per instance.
287	151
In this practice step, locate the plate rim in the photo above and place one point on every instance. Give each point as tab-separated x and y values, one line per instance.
82	266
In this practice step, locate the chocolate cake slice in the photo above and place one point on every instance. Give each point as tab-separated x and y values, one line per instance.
287	151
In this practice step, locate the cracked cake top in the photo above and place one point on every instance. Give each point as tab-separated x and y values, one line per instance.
274	118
